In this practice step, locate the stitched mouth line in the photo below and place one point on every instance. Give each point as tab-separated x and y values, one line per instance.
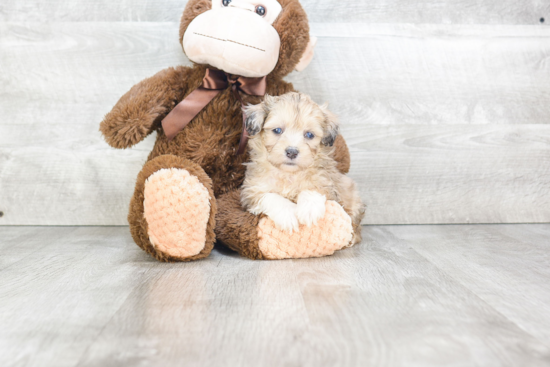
221	39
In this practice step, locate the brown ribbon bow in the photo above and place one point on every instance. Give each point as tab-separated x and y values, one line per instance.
213	83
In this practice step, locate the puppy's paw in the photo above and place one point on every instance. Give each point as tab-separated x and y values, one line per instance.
285	217
281	211
310	207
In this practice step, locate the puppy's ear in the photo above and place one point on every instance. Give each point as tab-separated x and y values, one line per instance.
256	115
331	126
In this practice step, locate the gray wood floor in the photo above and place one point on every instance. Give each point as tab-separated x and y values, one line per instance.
458	295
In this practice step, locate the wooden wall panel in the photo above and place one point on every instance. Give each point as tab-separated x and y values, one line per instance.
446	124
406	174
370	74
410	74
371	11
452	174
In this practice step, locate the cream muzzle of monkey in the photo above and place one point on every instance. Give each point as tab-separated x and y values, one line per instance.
236	39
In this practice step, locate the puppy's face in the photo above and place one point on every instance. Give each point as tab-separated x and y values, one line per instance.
290	130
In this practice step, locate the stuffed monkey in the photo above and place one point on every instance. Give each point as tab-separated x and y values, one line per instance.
187	194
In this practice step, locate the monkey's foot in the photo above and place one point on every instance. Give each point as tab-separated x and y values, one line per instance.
332	232
176	208
172	213
257	237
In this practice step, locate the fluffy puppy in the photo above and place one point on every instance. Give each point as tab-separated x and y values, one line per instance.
292	173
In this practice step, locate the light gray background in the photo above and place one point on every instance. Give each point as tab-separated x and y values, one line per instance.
445	105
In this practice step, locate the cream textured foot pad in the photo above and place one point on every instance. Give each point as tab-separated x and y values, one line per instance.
333	232
176	208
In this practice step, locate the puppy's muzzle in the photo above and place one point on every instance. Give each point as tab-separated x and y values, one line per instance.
292	152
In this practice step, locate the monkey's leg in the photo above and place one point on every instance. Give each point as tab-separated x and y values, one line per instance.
257	237
172	213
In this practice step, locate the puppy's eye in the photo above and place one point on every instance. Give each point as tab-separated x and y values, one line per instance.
226	2
278	131
309	135
260	10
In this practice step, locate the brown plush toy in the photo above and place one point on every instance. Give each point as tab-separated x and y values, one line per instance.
187	194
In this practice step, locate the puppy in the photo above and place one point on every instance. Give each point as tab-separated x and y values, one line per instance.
292	173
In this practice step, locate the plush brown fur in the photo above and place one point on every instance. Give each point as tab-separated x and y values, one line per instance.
341	154
237	228
207	146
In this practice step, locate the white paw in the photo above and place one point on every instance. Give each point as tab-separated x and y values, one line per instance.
281	211
310	207
285	218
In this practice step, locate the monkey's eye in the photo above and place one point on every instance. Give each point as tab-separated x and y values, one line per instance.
226	2
260	10
278	131
309	135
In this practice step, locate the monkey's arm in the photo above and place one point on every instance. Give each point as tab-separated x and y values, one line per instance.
139	112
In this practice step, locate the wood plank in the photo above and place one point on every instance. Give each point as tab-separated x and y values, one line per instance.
427	11
389	266
52	186
401	74
90	297
17	243
412	93
219	313
452	174
508	267
372	11
407	174
65	290
430	74
73	73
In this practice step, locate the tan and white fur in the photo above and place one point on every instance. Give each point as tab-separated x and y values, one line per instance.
291	173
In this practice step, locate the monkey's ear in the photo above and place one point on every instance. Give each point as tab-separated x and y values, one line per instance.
331	128
256	115
308	54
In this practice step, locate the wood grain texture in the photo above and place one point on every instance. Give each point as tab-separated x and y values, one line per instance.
498	269
74	73
407	296
431	74
446	124
452	174
407	174
371	11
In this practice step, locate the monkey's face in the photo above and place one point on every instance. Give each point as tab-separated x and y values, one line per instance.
250	38
236	36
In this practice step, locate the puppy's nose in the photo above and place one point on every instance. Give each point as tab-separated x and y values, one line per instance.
292	152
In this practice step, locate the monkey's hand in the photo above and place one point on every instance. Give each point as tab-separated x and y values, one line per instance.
310	207
281	211
140	111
